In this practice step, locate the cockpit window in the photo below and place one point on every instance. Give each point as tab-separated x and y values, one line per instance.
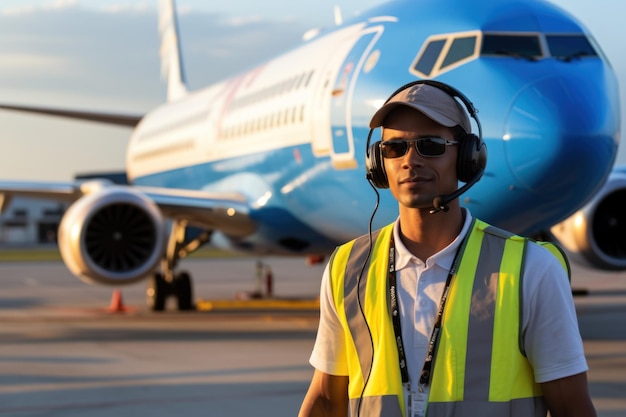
460	49
430	55
520	46
441	53
567	47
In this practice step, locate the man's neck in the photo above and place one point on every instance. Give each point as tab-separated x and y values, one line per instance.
424	234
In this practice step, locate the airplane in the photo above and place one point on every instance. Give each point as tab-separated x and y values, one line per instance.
272	160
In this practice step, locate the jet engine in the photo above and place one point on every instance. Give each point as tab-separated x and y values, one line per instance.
112	236
597	232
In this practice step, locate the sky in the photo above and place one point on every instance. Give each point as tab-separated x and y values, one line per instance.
103	55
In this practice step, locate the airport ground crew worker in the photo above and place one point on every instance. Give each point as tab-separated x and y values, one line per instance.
439	313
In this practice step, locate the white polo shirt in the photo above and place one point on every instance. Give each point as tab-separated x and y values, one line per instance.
550	329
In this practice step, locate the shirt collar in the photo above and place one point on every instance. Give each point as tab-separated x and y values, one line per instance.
443	258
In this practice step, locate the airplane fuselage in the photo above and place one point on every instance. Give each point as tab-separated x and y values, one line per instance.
290	135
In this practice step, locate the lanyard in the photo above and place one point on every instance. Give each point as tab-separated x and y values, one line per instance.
395	316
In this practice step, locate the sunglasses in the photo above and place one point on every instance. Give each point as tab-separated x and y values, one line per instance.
427	146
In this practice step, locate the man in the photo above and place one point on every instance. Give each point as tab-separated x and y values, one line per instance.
440	314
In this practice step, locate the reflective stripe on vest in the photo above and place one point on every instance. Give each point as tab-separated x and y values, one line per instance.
478	368
383	394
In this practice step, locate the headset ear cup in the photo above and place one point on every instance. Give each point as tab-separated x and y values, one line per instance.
472	157
376	167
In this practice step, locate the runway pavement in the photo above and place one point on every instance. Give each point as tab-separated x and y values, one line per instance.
602	322
62	353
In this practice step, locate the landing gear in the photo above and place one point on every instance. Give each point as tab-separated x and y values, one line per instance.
156	293
166	283
183	291
159	290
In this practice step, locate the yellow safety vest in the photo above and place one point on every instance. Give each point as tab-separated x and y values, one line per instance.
479	367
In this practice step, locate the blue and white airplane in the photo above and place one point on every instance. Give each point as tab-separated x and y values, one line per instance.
272	161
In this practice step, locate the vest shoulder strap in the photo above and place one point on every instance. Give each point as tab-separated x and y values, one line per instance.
553	248
559	254
495	231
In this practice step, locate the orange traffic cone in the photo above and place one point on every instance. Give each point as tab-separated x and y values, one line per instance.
117	305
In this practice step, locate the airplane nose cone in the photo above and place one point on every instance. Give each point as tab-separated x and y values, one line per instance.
560	135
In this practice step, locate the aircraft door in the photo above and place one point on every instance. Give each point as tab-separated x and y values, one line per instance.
343	152
334	50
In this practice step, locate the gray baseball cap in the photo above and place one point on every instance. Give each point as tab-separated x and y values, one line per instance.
433	102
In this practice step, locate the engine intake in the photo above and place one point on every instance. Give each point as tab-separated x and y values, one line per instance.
113	236
597	232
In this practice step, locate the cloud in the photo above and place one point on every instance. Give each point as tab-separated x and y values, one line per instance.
18	10
60	4
32	8
16	64
243	20
141	7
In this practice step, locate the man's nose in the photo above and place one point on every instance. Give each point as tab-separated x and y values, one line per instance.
412	156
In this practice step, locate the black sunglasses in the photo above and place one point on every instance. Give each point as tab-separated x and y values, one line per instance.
426	146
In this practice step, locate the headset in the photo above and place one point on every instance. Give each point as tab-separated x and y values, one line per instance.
471	159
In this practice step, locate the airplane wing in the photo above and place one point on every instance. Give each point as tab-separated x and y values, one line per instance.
60	191
118	119
225	212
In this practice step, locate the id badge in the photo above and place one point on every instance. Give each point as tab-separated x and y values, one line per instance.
417	404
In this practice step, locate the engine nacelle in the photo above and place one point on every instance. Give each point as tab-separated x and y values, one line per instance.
112	236
597	232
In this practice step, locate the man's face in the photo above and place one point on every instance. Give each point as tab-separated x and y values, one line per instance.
415	180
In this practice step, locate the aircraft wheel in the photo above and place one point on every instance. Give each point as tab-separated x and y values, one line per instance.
183	291
156	293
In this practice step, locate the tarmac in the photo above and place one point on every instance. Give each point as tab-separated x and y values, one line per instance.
72	349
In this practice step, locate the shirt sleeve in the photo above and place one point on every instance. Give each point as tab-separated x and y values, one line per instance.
329	351
551	335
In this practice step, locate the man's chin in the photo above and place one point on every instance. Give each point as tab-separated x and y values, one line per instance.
423	203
